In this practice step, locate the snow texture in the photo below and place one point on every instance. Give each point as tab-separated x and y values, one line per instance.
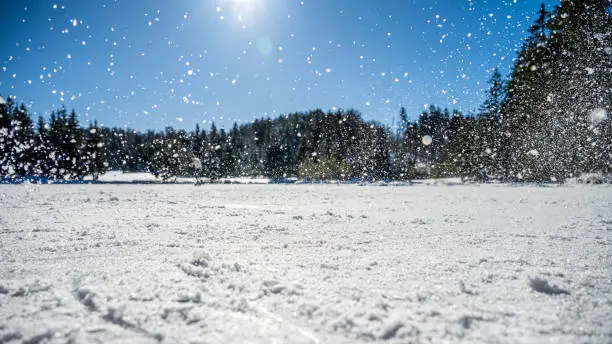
437	263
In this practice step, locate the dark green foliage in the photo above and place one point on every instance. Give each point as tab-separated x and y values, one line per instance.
477	152
330	168
65	146
96	159
16	139
42	152
172	155
6	141
59	149
561	77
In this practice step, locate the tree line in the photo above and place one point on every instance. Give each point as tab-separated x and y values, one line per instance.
547	122
58	149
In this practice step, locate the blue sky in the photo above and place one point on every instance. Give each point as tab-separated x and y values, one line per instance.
150	64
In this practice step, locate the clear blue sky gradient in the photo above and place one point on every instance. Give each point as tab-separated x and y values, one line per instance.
150	64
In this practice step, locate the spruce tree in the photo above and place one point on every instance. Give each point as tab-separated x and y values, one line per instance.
581	37
95	154
6	142
22	134
42	149
561	77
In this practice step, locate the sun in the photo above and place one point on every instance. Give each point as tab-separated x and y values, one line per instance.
245	6
247	12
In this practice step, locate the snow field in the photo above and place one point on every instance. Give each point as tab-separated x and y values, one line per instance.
305	264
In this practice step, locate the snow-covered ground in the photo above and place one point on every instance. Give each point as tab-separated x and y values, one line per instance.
119	177
305	264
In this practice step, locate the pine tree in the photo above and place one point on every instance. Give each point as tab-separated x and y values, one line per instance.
196	142
402	161
526	96
74	147
538	29
95	152
172	155
494	96
22	134
42	149
560	77
489	126
403	119
581	37
237	149
212	161
66	143
464	156
6	142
